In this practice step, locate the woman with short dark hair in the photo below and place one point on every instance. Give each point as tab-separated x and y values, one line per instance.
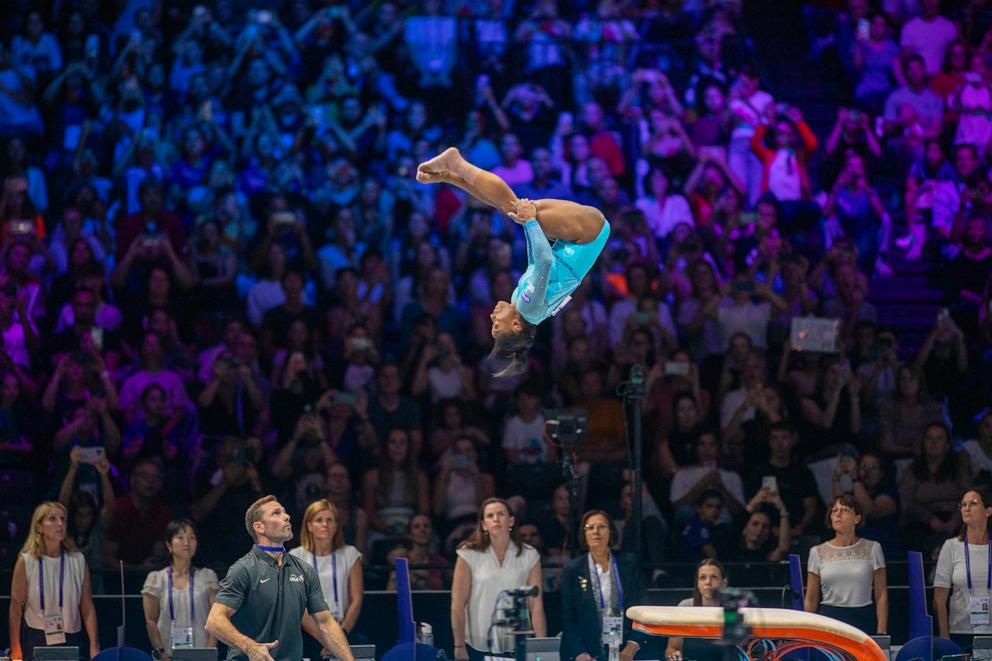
177	599
596	589
843	571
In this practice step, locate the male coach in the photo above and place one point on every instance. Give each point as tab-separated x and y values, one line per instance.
266	593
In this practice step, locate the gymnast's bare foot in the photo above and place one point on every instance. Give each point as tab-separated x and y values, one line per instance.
441	168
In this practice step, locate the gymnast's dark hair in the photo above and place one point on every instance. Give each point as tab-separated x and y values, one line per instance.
513	346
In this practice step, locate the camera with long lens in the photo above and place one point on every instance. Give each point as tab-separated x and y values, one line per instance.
565	426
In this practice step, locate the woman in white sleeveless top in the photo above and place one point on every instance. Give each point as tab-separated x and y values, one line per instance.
492	560
176	599
51	589
338	565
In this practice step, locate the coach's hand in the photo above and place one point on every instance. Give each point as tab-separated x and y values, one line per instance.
260	651
525	210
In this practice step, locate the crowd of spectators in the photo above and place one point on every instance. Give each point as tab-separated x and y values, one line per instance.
220	278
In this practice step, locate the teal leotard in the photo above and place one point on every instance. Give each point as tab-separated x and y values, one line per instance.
553	271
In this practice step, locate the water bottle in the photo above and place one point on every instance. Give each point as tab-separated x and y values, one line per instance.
425	634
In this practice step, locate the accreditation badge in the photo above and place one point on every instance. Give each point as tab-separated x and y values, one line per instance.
182	637
978	609
54	629
612	630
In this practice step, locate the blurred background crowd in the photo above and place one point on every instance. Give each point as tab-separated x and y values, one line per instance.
220	278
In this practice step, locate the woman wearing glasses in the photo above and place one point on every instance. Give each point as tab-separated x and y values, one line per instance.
596	589
963	573
844	571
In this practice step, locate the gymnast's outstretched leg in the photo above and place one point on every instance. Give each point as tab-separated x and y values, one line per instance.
559	219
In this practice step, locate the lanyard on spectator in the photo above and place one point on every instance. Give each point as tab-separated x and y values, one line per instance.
334	574
192	606
41	579
614	572
967	564
272	549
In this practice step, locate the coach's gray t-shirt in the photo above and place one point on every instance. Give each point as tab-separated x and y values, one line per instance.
269	601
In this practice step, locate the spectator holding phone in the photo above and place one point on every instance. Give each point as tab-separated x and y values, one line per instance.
152	370
222	486
783	474
459	489
766	513
51	590
833	412
104	492
874	56
735	309
232	401
860	215
689	482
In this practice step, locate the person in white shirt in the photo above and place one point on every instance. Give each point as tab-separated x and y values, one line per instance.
689	482
964	573
663	210
710	577
735	309
524	440
492	560
176	599
338	565
843	572
51	589
747	106
928	35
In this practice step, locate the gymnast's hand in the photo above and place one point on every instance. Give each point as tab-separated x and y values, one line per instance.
525	210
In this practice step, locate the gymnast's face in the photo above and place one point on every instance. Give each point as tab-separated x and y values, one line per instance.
505	318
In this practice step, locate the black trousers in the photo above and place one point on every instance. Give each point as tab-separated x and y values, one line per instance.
32	638
861	617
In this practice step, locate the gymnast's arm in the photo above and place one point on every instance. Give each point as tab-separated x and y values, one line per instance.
531	302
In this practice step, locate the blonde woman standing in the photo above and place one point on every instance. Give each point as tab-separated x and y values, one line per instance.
51	589
338	565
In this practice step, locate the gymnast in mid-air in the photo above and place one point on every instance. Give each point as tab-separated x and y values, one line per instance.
553	272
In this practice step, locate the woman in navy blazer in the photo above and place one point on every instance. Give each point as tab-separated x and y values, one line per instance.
588	593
